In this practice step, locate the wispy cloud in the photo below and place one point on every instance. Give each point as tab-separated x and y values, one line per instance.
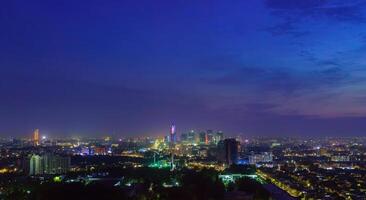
287	91
294	12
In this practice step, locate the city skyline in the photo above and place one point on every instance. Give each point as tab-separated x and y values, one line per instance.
266	68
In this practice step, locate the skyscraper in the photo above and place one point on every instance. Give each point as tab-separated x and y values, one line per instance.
203	137
210	136
228	151
36	137
218	137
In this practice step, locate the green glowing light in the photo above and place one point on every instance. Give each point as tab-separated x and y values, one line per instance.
57	179
160	164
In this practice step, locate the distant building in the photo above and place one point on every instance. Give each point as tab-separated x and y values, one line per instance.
218	137
100	150
340	158
167	139
36	137
203	137
56	164
192	137
228	151
36	165
264	157
210	136
48	164
85	151
184	137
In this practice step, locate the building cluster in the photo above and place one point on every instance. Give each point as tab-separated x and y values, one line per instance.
203	137
45	164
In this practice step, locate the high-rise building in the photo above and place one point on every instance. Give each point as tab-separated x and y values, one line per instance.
210	136
56	164
228	151
36	165
167	139
218	137
36	137
184	137
48	164
191	137
203	137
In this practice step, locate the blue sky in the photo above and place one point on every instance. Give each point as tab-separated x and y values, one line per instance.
256	67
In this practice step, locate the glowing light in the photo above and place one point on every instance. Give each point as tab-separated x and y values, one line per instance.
57	179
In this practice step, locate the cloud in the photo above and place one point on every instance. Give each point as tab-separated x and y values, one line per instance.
318	93
296	12
285	81
286	28
295	4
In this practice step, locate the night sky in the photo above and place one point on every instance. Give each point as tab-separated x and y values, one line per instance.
255	67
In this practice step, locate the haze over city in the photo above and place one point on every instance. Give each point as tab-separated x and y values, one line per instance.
258	68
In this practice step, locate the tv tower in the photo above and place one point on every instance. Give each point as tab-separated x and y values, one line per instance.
173	137
173	140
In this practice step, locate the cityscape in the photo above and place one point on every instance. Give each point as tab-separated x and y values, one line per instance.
156	167
183	100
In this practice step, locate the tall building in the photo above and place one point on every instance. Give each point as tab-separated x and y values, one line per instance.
36	137
36	165
203	137
173	134
191	137
184	137
228	151
218	137
56	164
210	136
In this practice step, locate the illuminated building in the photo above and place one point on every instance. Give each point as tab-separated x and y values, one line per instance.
323	152
167	139
340	158
210	136
56	164
264	157
189	138
100	150
85	151
218	137
48	164
36	165
36	137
